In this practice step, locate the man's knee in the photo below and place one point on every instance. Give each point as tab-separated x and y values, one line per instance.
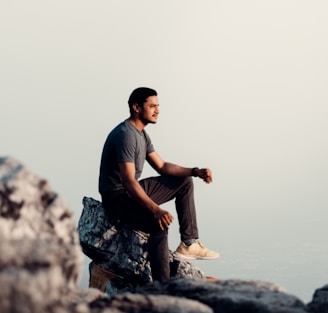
188	180
188	183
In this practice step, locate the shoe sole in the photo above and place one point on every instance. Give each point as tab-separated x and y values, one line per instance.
194	257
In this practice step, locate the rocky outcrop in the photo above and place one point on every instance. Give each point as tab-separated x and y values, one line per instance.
138	303
41	258
231	296
121	250
319	303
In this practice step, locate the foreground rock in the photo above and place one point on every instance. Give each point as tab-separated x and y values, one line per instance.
41	258
319	303
136	303
231	296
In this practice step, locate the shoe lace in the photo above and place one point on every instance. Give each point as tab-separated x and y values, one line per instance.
200	244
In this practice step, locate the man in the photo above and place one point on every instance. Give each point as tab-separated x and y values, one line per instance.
138	202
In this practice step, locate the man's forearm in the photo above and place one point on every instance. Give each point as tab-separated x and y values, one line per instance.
175	170
137	193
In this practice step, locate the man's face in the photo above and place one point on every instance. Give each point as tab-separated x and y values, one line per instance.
150	110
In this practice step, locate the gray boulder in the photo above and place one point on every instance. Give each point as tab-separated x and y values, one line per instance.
319	303
137	303
40	255
121	250
231	296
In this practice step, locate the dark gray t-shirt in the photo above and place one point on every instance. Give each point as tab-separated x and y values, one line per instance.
123	144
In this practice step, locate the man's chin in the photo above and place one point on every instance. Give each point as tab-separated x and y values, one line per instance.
153	121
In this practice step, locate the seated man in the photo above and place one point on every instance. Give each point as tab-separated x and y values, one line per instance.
138	202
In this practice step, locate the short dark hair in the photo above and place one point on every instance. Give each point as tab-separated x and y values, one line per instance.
140	95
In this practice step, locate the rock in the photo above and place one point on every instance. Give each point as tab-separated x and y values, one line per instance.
40	255
231	296
31	211
114	247
121	250
319	303
137	303
41	258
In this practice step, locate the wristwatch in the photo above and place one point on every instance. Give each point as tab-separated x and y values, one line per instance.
193	171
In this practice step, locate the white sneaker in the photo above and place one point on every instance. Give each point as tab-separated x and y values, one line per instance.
196	251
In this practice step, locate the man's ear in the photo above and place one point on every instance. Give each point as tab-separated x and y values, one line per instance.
136	107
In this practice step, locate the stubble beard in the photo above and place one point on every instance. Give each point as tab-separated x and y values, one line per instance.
148	121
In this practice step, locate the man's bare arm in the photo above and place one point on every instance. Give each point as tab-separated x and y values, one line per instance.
167	168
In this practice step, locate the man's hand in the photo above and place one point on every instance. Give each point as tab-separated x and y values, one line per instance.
205	174
163	218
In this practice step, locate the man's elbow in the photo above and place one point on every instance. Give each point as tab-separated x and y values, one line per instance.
128	182
165	169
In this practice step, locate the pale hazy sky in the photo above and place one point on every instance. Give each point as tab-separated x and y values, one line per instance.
242	88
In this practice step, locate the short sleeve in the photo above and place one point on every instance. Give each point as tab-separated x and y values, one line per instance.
125	148
149	145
